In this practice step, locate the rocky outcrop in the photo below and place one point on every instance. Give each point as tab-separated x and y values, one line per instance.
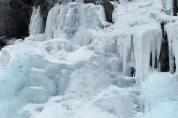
15	16
2	42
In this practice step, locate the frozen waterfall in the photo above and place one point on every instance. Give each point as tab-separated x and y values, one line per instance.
81	66
36	22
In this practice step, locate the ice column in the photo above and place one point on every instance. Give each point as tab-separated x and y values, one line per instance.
36	22
145	43
172	30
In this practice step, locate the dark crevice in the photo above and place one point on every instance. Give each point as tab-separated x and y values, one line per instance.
164	53
151	63
2	44
156	61
109	8
151	59
175	7
174	65
132	56
132	72
166	58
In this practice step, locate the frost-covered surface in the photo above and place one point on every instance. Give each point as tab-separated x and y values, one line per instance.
81	66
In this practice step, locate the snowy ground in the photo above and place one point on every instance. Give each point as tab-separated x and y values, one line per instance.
80	67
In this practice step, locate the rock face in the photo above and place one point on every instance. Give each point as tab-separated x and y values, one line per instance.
109	8
2	43
15	16
175	7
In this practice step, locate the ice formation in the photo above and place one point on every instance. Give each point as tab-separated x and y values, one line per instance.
36	22
75	21
85	67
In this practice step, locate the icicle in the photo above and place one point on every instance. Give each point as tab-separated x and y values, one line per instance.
31	19
125	49
135	51
51	22
36	24
172	30
144	43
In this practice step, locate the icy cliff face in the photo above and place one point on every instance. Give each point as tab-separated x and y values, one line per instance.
85	67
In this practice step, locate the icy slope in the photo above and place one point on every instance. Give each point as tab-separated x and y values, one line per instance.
84	67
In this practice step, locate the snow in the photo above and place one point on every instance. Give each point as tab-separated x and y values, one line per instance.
85	67
164	110
157	89
100	105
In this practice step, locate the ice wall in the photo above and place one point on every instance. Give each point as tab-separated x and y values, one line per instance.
75	21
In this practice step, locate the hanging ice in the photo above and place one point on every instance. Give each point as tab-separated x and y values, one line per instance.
36	22
172	30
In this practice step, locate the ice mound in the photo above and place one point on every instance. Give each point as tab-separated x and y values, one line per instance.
165	94
110	102
37	78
